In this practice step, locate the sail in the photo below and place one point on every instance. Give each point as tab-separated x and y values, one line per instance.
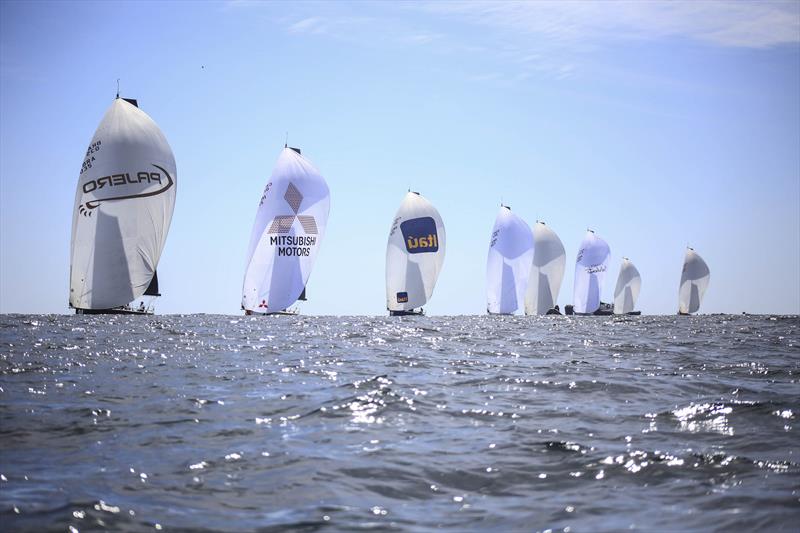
629	283
590	271
508	266
549	259
152	289
123	209
414	254
290	223
694	282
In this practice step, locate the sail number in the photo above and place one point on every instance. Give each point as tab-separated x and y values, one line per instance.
494	238
93	149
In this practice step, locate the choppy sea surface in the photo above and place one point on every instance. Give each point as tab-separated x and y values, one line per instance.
464	423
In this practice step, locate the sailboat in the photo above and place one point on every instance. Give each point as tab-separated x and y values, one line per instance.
414	255
629	283
590	271
123	208
290	223
694	282
508	266
547	272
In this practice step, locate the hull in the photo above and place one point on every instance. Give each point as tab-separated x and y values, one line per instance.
407	313
247	312
114	311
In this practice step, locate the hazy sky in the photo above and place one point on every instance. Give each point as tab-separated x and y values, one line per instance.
655	124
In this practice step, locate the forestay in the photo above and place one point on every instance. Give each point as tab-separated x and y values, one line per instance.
508	266
414	254
590	272
629	283
694	282
123	209
547	273
290	223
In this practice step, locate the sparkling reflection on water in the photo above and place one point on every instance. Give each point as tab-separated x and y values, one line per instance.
463	423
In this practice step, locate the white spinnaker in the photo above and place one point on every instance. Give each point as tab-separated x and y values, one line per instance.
629	283
549	260
123	209
414	254
289	226
590	271
694	282
508	266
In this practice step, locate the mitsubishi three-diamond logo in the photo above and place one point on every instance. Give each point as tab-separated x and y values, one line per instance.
283	223
293	245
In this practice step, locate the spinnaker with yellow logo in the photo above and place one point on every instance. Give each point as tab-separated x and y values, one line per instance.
695	277
123	209
414	255
290	223
590	272
547	273
508	265
629	283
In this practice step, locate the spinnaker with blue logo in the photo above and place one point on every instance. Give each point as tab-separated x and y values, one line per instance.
123	209
508	265
547	273
290	223
695	277
414	255
629	283
590	272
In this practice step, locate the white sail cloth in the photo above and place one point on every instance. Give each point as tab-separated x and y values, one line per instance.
123	209
694	282
508	266
547	272
414	254
289	226
629	283
590	272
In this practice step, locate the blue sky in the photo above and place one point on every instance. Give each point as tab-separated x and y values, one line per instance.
655	124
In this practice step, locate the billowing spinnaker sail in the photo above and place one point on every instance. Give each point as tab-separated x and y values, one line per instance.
549	259
414	254
694	282
590	271
626	293
508	266
290	223
123	208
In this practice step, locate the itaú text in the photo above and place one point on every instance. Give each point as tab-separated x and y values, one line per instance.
121	179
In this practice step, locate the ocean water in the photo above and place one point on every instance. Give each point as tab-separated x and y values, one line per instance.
463	423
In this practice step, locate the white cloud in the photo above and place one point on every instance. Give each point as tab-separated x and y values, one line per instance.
726	23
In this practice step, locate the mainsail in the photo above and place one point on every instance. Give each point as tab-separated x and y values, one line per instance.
626	292
414	254
290	222
549	259
590	271
694	282
508	266
123	209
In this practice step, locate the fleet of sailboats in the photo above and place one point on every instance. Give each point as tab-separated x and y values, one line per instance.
123	209
290	223
414	255
126	196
